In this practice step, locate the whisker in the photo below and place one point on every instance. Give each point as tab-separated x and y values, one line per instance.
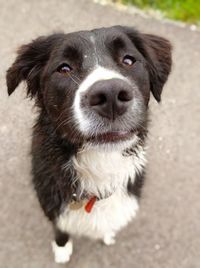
73	75
73	79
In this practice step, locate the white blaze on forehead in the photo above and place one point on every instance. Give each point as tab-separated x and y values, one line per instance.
99	74
92	39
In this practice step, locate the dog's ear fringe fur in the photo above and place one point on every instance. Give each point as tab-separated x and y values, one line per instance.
157	52
159	62
29	62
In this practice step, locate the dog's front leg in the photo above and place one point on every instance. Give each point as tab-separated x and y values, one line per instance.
109	239
62	246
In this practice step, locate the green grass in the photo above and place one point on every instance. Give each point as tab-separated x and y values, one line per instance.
186	10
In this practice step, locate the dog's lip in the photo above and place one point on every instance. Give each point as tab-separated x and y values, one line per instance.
111	136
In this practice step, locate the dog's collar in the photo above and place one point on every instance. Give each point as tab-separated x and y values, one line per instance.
85	201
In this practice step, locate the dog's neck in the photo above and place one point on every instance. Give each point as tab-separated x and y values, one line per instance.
100	173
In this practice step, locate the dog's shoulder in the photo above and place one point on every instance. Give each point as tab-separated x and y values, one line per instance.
50	154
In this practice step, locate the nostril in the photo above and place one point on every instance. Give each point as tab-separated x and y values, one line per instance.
98	99
125	95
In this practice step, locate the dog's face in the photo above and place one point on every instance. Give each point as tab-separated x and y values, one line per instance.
94	85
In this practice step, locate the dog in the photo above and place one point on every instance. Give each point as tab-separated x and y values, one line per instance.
92	90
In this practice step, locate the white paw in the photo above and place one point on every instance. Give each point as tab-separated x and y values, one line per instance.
62	254
109	240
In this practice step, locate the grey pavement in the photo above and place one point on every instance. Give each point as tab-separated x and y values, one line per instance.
166	232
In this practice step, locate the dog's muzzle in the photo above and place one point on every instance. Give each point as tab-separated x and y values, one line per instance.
108	98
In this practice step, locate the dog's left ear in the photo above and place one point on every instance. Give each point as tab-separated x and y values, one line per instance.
157	53
29	63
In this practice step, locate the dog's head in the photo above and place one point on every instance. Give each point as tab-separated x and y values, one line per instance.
94	85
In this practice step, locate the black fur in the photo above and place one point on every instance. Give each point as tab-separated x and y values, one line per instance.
155	49
61	238
136	187
54	185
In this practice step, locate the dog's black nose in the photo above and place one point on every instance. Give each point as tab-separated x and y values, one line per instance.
110	98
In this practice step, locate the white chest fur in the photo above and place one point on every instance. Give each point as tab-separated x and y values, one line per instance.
101	173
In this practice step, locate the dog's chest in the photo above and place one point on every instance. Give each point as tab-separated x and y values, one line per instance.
105	175
101	173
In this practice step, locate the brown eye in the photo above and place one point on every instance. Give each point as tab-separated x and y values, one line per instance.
64	68
129	60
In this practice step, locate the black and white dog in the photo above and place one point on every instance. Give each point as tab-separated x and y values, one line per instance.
92	90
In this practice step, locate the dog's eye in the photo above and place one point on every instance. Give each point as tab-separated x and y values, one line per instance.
64	68
129	60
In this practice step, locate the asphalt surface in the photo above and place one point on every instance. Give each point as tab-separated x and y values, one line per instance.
166	232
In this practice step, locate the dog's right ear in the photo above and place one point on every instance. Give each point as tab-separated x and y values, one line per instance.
29	63
157	52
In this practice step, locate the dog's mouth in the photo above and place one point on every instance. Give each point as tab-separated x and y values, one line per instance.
111	136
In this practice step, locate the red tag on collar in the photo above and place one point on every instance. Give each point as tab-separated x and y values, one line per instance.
90	204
